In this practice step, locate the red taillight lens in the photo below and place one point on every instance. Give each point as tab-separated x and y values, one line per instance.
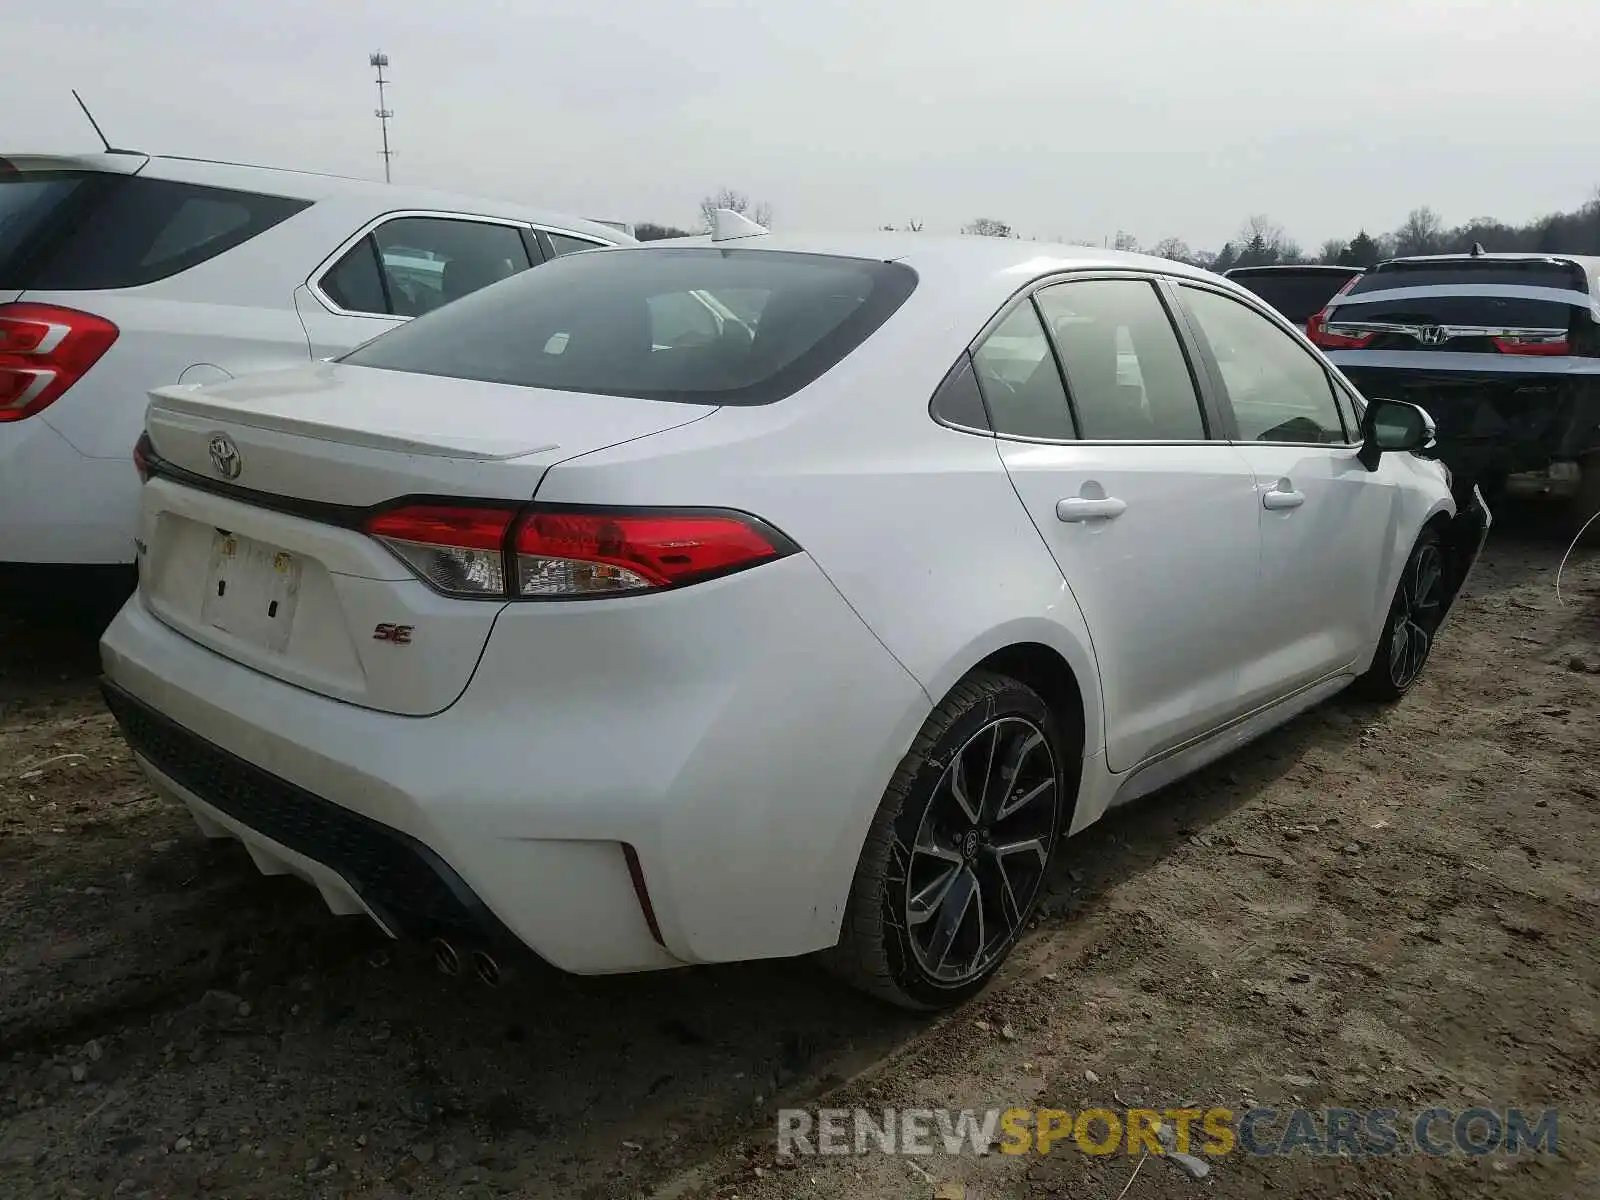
1317	331
458	550
596	554
1533	344
44	350
570	554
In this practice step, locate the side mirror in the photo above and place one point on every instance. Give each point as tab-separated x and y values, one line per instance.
1393	426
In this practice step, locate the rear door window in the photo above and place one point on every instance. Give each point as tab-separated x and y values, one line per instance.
91	232
1126	370
661	324
1021	383
413	265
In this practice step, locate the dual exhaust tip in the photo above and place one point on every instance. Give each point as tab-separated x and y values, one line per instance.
450	962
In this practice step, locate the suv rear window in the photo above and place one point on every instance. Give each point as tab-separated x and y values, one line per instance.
1469	273
85	231
1298	295
687	324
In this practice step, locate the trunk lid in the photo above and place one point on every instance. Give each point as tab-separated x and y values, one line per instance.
251	540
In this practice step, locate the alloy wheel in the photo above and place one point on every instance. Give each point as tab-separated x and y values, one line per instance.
1419	609
981	850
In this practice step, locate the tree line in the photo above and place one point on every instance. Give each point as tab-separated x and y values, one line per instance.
1262	242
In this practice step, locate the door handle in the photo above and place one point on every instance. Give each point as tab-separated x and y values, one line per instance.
1280	498
1081	508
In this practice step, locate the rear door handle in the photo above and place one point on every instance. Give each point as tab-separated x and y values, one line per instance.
1276	499
1081	508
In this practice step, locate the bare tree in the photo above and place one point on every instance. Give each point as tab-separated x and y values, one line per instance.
909	227
1334	251
1125	241
1422	233
740	203
988	227
1263	243
1175	249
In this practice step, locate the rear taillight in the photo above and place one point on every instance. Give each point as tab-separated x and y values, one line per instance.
141	457
1317	326
1317	331
536	553
457	550
44	350
1533	344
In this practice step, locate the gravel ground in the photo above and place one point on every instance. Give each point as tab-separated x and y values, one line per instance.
1369	908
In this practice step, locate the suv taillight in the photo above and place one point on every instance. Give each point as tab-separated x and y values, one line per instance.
1555	344
521	552
44	350
1317	326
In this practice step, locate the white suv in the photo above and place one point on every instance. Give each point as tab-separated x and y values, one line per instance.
121	272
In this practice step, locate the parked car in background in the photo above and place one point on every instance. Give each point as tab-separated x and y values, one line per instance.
1504	352
1300	291
531	625
120	272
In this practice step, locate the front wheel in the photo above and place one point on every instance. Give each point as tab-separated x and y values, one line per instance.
957	854
1415	615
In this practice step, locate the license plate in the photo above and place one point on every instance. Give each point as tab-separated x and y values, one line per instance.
252	591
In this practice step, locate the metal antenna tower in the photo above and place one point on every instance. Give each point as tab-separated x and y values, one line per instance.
380	60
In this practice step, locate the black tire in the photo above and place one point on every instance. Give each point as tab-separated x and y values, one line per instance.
898	916
1417	609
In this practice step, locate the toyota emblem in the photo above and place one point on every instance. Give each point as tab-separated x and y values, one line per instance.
225	456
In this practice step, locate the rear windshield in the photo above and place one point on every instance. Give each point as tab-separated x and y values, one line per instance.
88	231
1297	296
1467	273
700	325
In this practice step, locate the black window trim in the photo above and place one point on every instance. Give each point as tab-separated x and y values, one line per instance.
1261	308
1212	412
320	272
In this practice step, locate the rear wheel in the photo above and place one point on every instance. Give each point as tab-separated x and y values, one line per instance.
957	855
1415	614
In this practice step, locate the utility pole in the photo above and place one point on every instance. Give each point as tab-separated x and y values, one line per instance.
380	60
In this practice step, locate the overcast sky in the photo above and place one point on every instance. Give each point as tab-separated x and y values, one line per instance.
1070	119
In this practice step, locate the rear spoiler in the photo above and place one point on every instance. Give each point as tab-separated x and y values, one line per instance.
117	162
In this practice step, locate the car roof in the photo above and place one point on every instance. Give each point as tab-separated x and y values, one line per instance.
1589	264
1314	268
988	269
307	185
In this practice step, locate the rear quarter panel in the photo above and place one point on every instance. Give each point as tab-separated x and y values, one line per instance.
916	524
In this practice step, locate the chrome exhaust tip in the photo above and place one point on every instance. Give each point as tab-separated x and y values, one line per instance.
488	970
446	958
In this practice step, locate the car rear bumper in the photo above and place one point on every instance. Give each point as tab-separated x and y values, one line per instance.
59	506
1492	423
730	762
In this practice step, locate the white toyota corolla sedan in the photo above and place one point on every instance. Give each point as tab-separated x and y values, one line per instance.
760	596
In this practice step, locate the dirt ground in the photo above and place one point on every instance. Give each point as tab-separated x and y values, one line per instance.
1370	908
